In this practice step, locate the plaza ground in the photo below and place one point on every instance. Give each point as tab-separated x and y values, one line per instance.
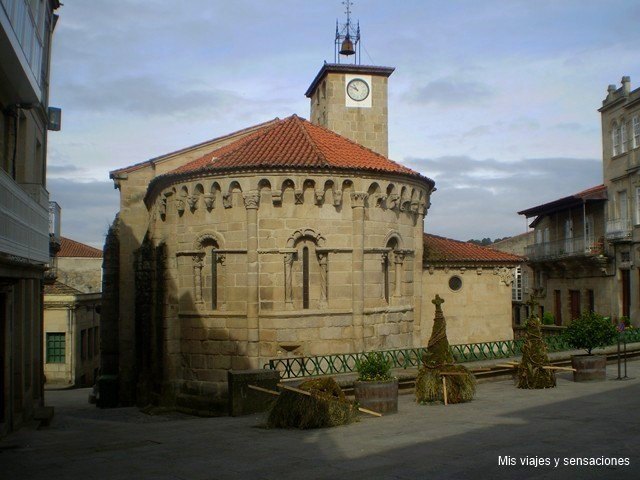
574	420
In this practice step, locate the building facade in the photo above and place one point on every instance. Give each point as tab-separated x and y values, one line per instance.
287	238
71	350
476	284
79	266
584	252
26	28
523	275
571	262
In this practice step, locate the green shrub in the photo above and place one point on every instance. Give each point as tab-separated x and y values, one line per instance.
548	319
374	367
590	331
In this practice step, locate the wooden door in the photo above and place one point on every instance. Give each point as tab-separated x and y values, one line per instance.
557	303
575	303
626	292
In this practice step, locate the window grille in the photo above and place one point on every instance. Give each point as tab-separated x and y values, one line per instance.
55	347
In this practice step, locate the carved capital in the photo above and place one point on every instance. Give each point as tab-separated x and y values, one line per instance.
298	195
358	199
337	198
251	200
319	196
209	200
392	201
192	201
180	205
276	197
227	200
398	257
505	274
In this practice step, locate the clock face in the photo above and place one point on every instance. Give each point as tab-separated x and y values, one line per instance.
357	89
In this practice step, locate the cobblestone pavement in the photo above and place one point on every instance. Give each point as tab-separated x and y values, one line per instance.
593	421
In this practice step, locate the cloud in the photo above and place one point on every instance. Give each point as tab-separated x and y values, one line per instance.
145	95
481	198
449	92
61	170
478	131
88	208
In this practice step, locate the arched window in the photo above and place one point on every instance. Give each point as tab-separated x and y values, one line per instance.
214	278
392	268
305	278
385	276
208	272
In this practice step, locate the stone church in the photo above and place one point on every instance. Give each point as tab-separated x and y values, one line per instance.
288	238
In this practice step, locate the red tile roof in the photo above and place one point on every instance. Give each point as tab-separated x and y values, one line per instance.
292	143
137	166
598	193
71	248
59	288
445	250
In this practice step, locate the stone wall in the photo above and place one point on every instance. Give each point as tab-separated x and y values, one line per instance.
78	318
81	273
480	311
251	233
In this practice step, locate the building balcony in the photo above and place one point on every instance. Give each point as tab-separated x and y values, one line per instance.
618	229
565	248
24	224
22	26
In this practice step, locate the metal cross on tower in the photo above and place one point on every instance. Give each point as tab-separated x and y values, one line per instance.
347	37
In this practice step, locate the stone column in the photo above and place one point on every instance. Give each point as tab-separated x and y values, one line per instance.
357	265
251	202
288	280
324	284
197	276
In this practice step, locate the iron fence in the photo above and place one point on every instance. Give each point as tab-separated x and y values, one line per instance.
296	367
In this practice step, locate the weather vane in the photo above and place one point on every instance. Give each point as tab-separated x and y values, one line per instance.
347	37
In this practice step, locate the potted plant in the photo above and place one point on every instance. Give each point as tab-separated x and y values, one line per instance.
375	388
587	332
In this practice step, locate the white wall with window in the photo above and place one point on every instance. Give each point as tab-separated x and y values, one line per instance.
516	286
637	219
623	213
615	139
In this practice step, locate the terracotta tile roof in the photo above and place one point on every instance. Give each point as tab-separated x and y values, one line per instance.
139	165
71	248
445	250
597	193
292	143
59	288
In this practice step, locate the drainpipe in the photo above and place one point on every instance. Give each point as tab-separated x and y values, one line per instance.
584	224
72	345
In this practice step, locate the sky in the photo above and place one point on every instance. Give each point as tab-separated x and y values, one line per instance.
495	100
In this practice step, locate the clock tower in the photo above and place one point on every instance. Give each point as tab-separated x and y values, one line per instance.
351	99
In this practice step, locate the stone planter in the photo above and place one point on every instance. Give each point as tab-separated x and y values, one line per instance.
589	368
381	397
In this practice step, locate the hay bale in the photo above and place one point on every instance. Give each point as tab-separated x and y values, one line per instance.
326	407
531	372
460	388
438	359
